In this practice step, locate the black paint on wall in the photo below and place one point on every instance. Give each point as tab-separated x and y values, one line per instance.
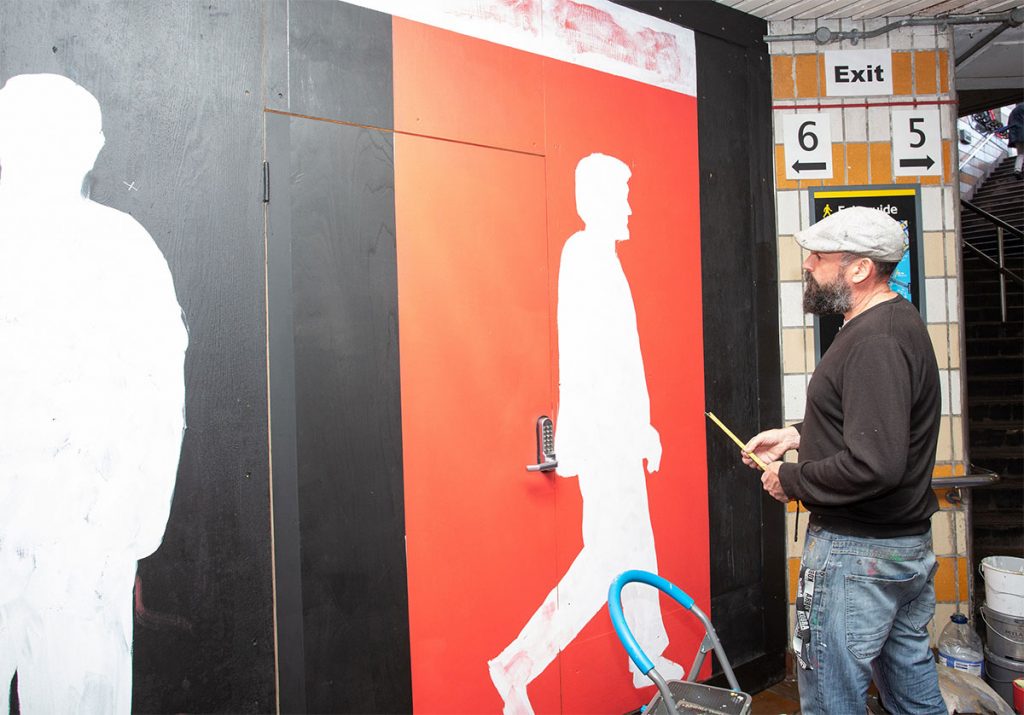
338	489
179	85
340	62
741	340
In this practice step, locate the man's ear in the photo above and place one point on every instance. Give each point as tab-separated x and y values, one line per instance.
860	270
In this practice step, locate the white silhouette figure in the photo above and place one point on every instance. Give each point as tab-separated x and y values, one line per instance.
92	401
603	435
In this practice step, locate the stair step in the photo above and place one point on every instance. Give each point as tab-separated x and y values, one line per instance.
988	347
987	329
994	408
982	385
1007	366
1008	439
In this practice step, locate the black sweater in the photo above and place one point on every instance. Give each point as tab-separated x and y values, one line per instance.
867	443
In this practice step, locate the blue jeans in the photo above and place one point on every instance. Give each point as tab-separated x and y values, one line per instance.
863	607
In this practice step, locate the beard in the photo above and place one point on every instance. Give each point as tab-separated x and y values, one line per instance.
834	298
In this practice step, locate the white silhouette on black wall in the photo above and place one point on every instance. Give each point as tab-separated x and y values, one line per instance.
92	398
603	434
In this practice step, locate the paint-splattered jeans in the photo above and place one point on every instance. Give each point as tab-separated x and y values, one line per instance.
863	607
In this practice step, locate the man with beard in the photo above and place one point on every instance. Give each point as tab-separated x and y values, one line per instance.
866	454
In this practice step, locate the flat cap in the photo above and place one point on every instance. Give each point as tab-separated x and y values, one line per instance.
857	230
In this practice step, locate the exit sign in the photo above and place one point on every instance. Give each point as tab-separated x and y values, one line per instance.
855	73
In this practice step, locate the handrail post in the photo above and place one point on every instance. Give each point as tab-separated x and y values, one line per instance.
1002	276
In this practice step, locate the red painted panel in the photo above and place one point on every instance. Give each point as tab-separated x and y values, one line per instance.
457	87
654	132
475	369
480	236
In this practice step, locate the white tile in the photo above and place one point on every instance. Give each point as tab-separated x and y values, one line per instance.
949	384
794	396
780	27
924	37
960	526
835	116
947	125
935	304
855	124
805	208
875	43
942	533
954	392
801	27
788	213
879	129
805	47
931	208
944	39
944	390
950	204
901	39
953	300
778	134
845	25
791	306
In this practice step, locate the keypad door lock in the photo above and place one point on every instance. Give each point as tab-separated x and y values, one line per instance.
546	461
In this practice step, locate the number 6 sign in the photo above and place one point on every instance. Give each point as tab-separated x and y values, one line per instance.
808	145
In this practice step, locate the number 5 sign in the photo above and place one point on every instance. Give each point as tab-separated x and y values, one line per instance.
807	139
916	143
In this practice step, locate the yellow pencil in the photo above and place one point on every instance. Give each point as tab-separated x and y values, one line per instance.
734	438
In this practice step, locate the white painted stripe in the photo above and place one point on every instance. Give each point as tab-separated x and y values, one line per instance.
590	33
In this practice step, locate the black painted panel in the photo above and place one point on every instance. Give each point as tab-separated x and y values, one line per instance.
284	456
179	86
348	419
340	62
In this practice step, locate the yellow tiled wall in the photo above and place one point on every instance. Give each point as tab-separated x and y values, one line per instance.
862	155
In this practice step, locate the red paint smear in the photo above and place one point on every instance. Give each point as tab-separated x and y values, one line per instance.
523	14
588	29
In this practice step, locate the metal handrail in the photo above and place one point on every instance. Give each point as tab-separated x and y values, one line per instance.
992	219
978	147
999	265
995	264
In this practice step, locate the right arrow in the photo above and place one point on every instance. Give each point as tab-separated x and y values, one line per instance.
927	162
799	166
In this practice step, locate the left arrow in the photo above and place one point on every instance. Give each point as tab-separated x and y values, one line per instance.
927	162
808	165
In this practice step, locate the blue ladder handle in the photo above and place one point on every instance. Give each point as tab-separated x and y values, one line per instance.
619	620
683	599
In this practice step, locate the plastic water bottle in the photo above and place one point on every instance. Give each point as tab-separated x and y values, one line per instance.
960	647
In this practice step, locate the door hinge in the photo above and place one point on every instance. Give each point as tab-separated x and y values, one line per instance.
266	182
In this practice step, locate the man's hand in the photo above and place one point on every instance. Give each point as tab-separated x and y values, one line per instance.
772	485
770	445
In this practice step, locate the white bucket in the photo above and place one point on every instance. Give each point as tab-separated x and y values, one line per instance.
1004	584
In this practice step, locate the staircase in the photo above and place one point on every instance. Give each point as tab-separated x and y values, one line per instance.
995	367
